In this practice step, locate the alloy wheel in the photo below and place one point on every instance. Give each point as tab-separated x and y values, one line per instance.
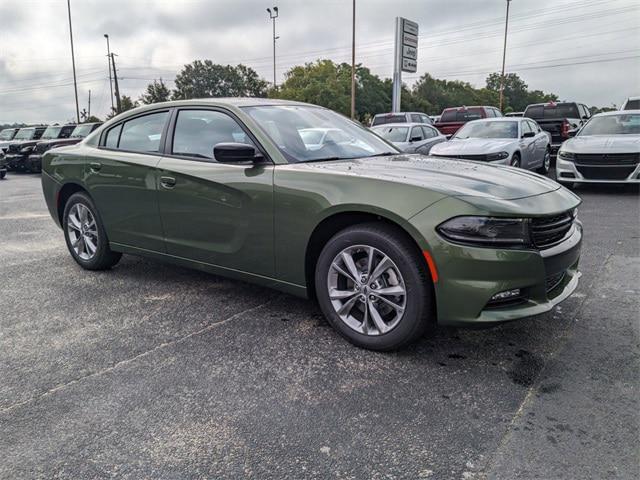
83	231
547	161
366	290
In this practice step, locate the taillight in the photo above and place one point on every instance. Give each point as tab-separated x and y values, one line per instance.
565	129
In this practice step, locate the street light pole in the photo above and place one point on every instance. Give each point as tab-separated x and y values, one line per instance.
504	56
73	62
353	63
109	68
273	15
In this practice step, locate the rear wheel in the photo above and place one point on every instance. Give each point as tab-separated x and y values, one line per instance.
373	288
85	235
546	163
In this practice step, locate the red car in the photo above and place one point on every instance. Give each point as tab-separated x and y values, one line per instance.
453	118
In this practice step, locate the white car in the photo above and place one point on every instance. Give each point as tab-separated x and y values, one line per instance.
518	142
605	150
316	138
410	137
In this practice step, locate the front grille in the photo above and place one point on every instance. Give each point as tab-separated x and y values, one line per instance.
607	158
604	173
552	281
549	231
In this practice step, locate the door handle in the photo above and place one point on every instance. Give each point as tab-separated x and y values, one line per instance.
95	166
168	182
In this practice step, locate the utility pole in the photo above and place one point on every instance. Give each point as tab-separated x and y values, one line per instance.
89	108
73	62
109	69
273	15
504	56
353	63
115	82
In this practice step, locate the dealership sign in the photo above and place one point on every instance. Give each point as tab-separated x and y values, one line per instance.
406	55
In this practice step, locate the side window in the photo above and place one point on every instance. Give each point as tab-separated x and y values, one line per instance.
143	134
534	126
112	137
497	112
198	131
525	127
426	119
428	132
66	131
416	118
416	134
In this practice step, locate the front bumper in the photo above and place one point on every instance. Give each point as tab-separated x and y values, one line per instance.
16	161
468	278
34	162
567	172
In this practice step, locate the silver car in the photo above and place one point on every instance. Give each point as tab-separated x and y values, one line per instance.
518	142
410	137
605	150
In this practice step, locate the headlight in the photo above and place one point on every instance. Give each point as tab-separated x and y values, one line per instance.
487	231
26	150
497	156
566	155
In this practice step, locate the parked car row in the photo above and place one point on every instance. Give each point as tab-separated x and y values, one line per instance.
21	149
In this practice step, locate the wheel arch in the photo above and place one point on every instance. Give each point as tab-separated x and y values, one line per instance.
336	221
63	196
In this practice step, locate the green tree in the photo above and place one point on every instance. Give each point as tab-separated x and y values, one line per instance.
328	84
156	92
92	119
516	92
126	103
432	95
205	79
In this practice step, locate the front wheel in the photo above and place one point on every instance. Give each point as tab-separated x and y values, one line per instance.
85	235
515	160
546	163
373	287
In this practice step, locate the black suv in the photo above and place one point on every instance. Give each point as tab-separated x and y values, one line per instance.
34	162
6	135
26	140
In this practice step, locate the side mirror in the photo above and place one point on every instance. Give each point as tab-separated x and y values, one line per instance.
572	133
235	153
528	134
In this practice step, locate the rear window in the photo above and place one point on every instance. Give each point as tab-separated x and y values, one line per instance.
558	110
632	105
461	115
382	119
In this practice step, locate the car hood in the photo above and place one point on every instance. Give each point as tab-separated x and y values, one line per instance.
449	177
603	144
473	146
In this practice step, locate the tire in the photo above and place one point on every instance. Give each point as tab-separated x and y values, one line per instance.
546	163
100	257
3	174
515	160
406	271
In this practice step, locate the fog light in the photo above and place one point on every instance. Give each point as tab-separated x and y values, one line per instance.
506	295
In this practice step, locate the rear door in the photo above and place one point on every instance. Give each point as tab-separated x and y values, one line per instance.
122	181
215	213
527	145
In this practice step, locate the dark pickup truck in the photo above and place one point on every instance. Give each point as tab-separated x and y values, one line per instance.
19	151
34	162
558	118
453	118
6	135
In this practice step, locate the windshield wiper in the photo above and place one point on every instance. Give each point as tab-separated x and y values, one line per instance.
384	154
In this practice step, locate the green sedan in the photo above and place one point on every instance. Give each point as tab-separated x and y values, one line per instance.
388	244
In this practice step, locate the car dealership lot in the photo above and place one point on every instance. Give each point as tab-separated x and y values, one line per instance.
156	371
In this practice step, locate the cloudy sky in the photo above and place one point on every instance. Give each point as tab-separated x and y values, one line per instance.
585	50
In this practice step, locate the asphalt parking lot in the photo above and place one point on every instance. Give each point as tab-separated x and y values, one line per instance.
155	371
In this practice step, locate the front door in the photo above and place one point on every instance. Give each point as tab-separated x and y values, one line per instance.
122	181
527	146
219	214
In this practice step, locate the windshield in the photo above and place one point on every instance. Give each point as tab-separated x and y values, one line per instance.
25	134
388	118
81	131
294	128
504	129
552	110
7	134
623	124
51	132
393	134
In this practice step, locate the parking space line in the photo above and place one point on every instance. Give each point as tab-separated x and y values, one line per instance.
137	357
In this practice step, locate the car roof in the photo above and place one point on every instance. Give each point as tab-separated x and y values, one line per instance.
500	119
398	113
617	112
403	124
234	101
